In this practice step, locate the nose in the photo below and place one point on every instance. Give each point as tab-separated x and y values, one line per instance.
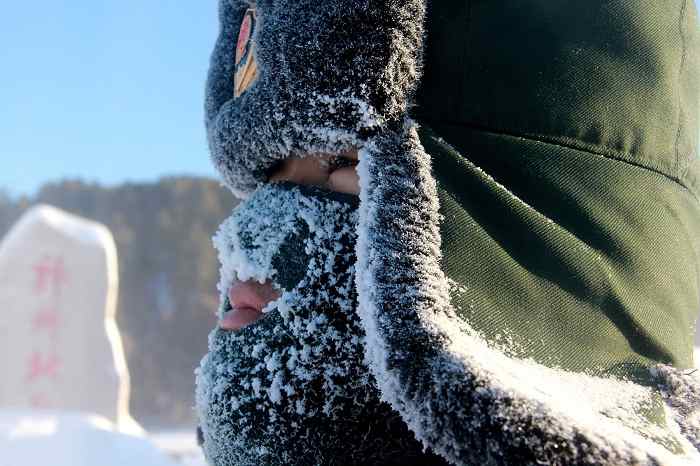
247	300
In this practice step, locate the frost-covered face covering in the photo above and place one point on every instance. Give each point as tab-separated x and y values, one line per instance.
292	389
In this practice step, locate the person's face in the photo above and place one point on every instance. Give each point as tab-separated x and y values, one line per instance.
335	173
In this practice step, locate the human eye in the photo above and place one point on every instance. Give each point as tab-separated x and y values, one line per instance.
343	160
336	163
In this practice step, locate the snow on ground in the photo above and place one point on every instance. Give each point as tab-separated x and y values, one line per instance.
52	438
180	445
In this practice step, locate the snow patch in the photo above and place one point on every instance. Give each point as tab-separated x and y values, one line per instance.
68	439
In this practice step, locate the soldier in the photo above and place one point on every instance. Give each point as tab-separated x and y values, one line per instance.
469	233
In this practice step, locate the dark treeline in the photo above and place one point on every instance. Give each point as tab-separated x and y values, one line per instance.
168	272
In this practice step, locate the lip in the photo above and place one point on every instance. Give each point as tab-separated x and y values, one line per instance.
245	303
240	317
248	294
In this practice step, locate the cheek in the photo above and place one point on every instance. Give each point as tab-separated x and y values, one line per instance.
345	180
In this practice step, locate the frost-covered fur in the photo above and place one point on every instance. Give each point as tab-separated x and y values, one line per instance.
462	396
292	388
339	74
682	393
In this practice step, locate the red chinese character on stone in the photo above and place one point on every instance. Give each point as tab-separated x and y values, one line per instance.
39	366
40	401
46	319
50	273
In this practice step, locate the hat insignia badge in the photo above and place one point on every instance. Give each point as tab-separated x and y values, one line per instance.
246	65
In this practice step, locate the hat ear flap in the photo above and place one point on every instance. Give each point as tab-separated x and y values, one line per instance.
465	397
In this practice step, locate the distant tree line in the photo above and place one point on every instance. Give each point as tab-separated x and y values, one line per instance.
167	275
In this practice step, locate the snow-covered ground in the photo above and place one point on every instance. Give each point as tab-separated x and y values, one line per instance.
181	445
32	438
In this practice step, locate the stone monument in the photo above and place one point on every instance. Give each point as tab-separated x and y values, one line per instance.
697	344
59	344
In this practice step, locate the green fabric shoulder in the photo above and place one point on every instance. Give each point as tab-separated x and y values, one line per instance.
564	143
618	79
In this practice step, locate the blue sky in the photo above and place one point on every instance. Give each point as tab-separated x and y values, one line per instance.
107	91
